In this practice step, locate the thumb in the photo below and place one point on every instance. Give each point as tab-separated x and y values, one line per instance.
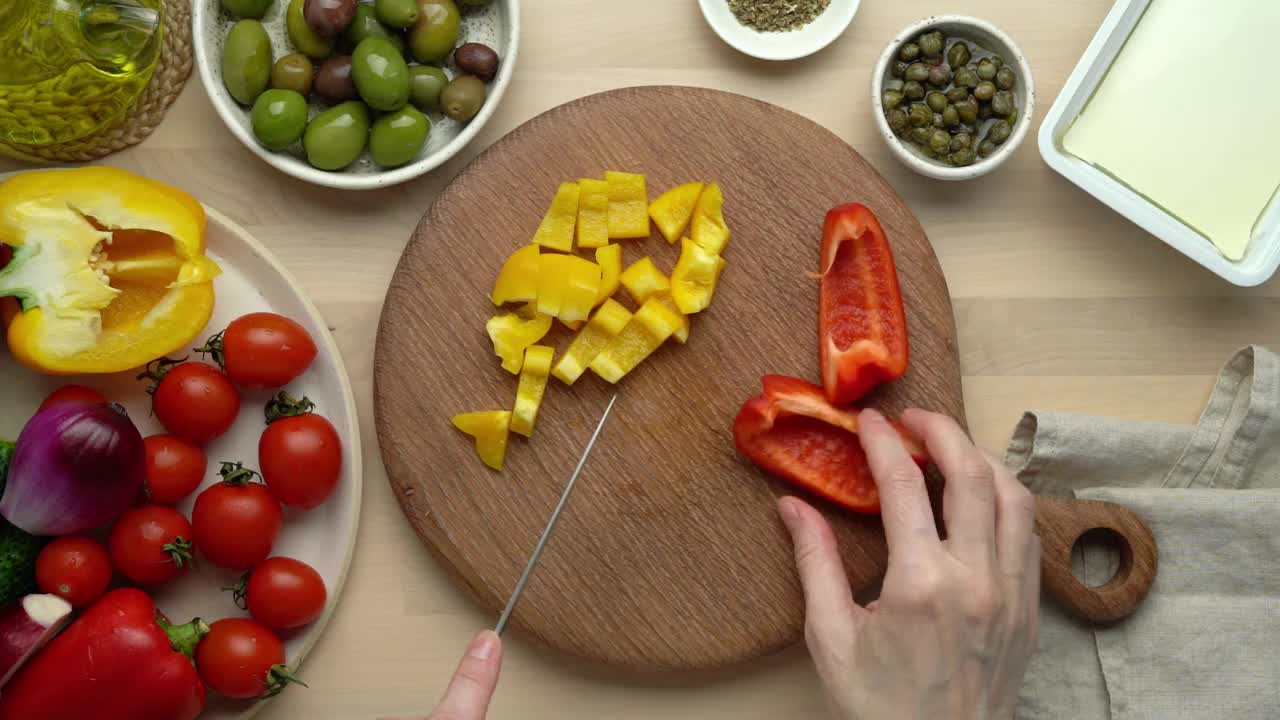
472	686
829	607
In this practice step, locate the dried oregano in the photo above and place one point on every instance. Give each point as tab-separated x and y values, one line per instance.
777	15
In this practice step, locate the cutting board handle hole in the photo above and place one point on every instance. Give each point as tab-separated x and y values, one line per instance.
1101	557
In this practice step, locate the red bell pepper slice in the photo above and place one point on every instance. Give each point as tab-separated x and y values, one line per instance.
862	328
793	432
120	661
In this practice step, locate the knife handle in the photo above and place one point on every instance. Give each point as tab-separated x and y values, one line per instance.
1061	522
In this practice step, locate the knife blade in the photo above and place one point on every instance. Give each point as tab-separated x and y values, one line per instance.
551	524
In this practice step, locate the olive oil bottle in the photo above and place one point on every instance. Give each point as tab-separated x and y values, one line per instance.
70	67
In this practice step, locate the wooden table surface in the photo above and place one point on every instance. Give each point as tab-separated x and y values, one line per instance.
1061	304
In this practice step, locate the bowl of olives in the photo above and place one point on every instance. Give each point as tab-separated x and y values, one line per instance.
356	94
953	97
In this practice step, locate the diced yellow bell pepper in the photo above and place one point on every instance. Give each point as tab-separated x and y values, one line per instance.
556	230
575	326
694	279
609	258
652	324
593	213
673	209
533	383
512	332
708	228
518	279
567	286
628	205
608	321
681	334
643	280
489	428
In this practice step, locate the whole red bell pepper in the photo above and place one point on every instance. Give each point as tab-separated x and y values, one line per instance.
793	432
862	328
120	661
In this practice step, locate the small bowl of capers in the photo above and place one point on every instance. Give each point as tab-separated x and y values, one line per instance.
953	96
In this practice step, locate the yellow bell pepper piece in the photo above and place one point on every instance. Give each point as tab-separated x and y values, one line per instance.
109	268
643	280
708	228
628	205
489	428
567	286
609	258
518	279
673	210
608	321
533	383
694	279
575	326
512	332
556	230
652	324
681	333
593	213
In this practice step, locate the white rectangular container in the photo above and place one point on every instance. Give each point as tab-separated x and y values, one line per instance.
1263	256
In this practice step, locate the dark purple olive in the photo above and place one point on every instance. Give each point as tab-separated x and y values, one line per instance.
477	59
328	18
334	81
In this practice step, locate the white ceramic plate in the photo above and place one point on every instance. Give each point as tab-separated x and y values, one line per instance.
251	280
780	45
497	26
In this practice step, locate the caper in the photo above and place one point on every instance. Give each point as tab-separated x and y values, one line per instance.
985	91
958	56
893	84
957	94
920	134
1012	117
913	90
940	141
939	75
997	61
950	116
909	52
918	72
931	44
961	157
897	120
919	115
965	128
986	69
999	131
966	77
938	122
1002	103
960	141
891	99
1005	78
985	148
984	111
898	69
968	110
936	101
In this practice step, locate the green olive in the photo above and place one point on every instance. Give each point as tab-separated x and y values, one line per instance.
246	61
254	9
398	137
968	110
985	148
306	40
380	74
279	117
366	25
336	137
913	90
897	120
967	77
898	69
396	13
909	52
961	157
463	97
957	94
939	76
940	141
918	72
960	141
958	56
986	69
920	135
999	131
931	44
293	72
425	84
951	116
936	101
919	115
1002	103
435	34
1005	78
891	99
985	91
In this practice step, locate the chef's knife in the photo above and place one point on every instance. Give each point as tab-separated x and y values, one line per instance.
551	524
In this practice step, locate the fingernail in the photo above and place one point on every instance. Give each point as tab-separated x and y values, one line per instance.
790	512
482	647
871	416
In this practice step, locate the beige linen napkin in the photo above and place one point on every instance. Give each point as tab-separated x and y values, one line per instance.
1205	645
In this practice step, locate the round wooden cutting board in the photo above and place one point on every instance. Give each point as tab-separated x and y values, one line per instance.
670	554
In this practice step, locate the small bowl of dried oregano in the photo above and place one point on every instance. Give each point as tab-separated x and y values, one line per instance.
779	29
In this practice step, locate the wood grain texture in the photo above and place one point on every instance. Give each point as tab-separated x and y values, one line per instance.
670	555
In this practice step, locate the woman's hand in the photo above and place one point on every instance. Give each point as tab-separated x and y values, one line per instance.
472	686
957	619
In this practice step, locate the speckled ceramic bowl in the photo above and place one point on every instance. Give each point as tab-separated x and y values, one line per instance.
990	38
496	25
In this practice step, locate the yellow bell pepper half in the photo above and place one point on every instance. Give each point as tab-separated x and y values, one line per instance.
109	269
518	279
593	213
673	209
652	324
567	286
695	277
512	332
628	205
556	230
533	383
609	258
643	280
708	228
605	325
490	429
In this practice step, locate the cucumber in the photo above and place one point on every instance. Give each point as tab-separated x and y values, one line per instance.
18	550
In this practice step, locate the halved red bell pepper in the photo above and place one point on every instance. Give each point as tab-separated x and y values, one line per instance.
862	328
793	432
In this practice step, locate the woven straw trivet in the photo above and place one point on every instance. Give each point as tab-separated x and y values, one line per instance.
172	71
